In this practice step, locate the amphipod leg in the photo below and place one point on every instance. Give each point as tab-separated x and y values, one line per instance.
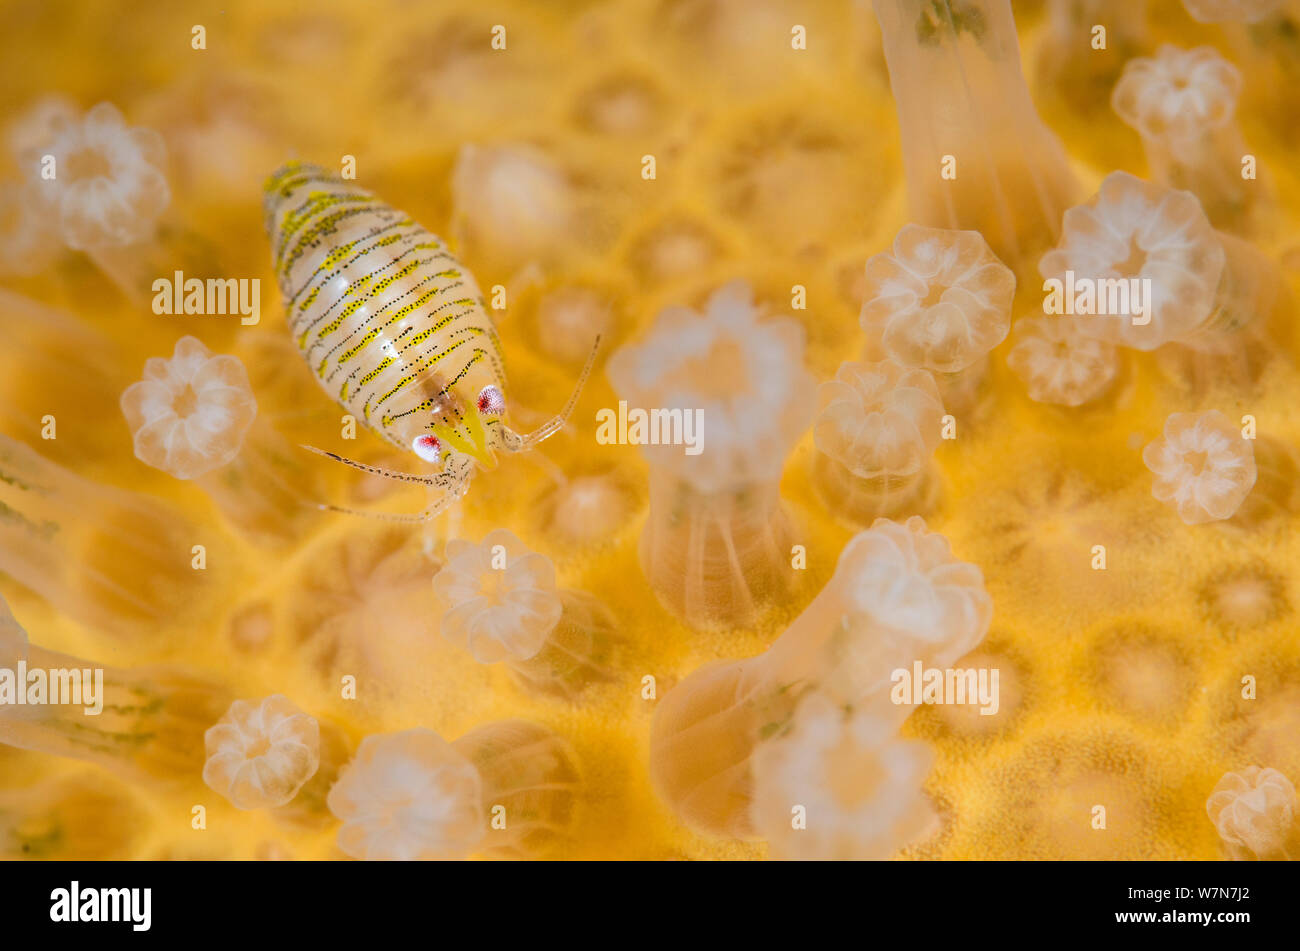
454	481
433	511
375	470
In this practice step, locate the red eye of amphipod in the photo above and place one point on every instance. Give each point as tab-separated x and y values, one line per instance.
427	447
491	402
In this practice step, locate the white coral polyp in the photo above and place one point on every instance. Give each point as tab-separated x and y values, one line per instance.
1231	11
189	414
859	787
1254	811
109	188
939	300
879	419
262	752
1136	229
501	597
897	596
1060	365
1177	95
29	134
513	198
408	796
744	373
905	579
1202	466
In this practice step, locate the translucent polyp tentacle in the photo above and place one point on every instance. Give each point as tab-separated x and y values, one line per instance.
706	728
977	155
716	544
82	816
263	490
53	367
1183	103
309	807
1276	492
960	389
530	786
29	242
1069	61
1259	36
577	653
361	604
1250	317
862	499
845	644
124	564
146	724
150	729
507	789
715	557
704	733
1247	293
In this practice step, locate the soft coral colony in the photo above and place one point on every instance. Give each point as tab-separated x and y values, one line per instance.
839	446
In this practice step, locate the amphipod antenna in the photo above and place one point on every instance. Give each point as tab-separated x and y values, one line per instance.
516	442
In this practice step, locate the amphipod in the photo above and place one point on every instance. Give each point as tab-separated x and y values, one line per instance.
395	329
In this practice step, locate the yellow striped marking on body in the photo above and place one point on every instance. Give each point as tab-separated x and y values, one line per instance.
384	364
361	345
348	310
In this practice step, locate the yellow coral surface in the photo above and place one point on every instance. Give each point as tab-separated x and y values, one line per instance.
1120	686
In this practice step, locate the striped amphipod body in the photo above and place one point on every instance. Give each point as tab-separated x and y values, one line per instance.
394	328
